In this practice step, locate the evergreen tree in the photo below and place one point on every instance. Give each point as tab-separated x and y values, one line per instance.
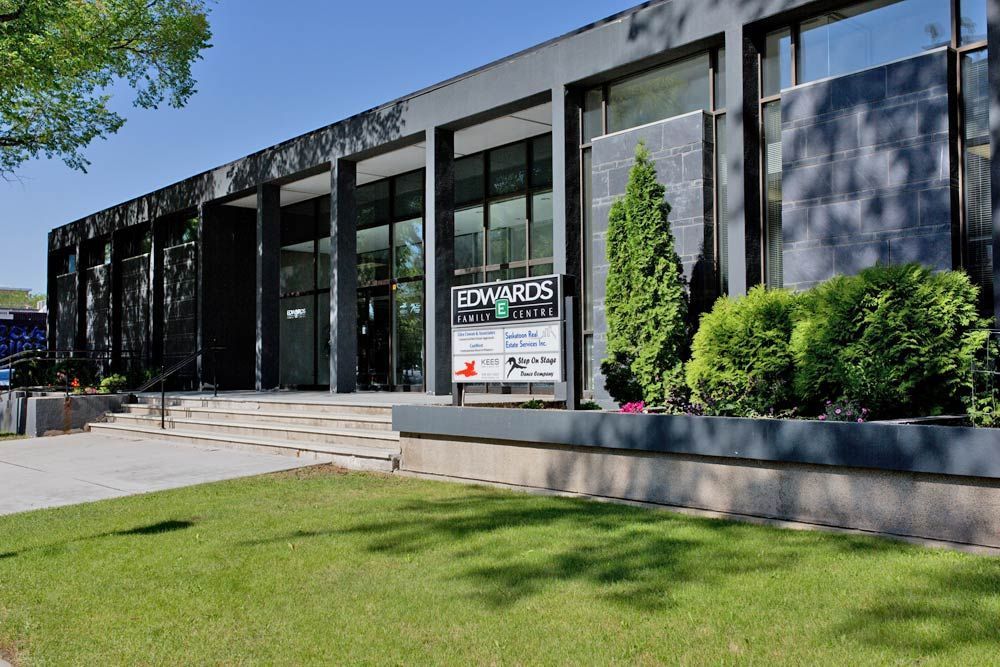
646	302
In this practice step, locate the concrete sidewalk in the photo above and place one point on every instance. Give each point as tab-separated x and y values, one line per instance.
78	468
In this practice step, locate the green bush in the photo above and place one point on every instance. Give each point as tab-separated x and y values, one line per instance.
896	339
741	357
646	300
113	384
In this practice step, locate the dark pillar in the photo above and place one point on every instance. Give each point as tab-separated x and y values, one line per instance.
80	339
268	275
343	278
567	223
116	302
201	339
993	65
156	314
743	162
52	302
439	244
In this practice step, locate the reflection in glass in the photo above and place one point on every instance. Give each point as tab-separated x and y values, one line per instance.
665	92
979	219
469	179
973	21
409	195
720	80
297	267
588	242
588	363
469	238
541	161
373	254
541	226
323	264
772	184
508	169
776	65
870	34
721	202
409	341
323	339
409	252
506	236
374	332
372	202
593	118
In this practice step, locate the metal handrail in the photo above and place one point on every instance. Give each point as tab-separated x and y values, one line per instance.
18	358
166	374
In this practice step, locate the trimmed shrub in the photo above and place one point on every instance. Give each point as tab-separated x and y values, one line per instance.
896	339
646	301
741	358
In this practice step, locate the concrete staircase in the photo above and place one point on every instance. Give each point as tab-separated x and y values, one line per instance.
352	435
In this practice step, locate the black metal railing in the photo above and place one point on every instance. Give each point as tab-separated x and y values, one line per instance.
166	374
14	361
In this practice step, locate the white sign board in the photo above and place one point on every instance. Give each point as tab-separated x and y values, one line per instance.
508	354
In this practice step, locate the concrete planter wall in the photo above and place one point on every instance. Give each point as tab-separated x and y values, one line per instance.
54	414
931	482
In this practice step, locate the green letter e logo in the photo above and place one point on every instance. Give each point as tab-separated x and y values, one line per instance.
502	309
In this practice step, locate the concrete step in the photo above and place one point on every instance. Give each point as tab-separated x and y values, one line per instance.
277	405
278	431
354	457
299	418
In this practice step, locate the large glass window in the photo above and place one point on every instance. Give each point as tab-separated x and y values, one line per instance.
776	65
772	192
972	23
507	234
593	114
374	256
978	214
665	92
870	34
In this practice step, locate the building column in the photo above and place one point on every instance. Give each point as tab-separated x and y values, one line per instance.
80	338
343	277
51	300
156	300
439	262
268	277
567	221
993	66
743	162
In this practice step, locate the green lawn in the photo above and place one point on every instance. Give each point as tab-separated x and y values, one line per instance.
10	436
319	567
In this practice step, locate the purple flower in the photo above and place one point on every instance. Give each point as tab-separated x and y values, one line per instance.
860	420
838	411
829	402
822	418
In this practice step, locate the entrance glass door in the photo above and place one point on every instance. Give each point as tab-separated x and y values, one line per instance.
390	284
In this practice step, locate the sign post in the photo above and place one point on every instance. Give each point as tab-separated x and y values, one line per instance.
508	331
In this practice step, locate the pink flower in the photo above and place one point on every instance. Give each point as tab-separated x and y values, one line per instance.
822	418
838	411
860	420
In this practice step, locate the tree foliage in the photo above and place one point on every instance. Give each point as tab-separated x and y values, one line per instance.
60	58
741	357
646	302
896	339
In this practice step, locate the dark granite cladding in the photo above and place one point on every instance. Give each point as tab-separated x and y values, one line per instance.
65	334
866	171
180	313
682	150
135	312
98	286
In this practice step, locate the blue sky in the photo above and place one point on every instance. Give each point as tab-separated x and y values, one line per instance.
273	74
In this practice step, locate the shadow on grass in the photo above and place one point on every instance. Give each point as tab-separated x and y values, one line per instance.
157	528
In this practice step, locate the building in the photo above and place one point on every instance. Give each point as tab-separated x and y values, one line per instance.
796	139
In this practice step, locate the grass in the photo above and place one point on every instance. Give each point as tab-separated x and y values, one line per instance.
319	567
10	436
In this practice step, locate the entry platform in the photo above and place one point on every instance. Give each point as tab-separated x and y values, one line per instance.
350	430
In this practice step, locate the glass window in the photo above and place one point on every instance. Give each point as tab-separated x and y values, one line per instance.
297	267
409	331
776	65
296	356
372	202
469	238
588	243
508	169
870	34
661	93
409	252
323	264
507	228
772	185
541	226
373	254
979	219
720	80
469	179
323	339
973	21
588	363
409	195
541	161
593	115
71	263
721	202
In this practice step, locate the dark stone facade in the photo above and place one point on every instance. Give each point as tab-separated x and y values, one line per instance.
135	331
866	171
98	286
180	306
682	150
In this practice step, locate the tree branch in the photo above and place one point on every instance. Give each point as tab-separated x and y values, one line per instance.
12	16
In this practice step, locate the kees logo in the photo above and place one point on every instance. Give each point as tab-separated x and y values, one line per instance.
469	371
